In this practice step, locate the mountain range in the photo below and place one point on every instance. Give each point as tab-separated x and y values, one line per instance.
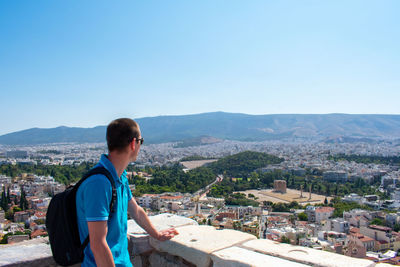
228	126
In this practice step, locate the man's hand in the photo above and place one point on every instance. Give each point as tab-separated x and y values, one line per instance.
167	234
140	216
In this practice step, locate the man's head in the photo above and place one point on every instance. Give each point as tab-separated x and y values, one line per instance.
120	135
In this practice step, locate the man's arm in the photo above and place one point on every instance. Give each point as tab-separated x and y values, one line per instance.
140	216
98	244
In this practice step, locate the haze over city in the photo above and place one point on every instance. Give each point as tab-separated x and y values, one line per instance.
85	63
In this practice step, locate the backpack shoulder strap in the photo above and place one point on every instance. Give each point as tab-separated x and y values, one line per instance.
106	173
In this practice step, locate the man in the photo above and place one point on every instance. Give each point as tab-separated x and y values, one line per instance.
108	244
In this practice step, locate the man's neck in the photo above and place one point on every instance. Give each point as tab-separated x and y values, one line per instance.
120	161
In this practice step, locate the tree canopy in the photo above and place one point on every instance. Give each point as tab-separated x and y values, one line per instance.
242	164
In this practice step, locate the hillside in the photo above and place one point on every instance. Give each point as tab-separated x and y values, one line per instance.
230	126
242	164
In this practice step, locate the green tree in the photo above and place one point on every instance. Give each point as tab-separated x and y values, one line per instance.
16	209
377	221
280	207
237	225
243	163
8	195
292	219
9	215
328	190
318	189
285	239
3	202
23	203
302	216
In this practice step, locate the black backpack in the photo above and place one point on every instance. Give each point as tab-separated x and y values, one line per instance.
62	225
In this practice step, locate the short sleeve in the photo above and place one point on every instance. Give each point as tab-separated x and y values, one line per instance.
129	192
97	193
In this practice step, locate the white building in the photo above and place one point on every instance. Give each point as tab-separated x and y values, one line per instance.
396	195
323	213
146	200
5	180
337	225
353	197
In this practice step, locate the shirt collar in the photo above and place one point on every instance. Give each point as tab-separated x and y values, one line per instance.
110	167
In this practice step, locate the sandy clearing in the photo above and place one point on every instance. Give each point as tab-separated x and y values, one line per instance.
291	195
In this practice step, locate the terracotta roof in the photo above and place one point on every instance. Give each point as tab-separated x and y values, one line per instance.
366	239
380	228
396	233
42	208
324	209
40	214
362	238
358	235
20	212
275	219
38	232
171	197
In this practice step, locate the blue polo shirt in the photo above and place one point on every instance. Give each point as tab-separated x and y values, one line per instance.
93	204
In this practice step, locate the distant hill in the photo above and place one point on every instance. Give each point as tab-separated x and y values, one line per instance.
60	134
198	141
231	126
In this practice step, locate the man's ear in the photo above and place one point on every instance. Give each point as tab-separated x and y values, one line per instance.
133	144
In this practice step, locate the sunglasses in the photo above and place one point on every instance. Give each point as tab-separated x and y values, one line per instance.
140	140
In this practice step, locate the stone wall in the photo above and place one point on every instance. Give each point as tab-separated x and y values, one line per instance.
196	245
280	186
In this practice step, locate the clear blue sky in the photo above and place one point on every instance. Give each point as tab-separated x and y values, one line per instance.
84	63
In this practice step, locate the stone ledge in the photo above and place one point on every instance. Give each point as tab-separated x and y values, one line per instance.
202	246
34	252
160	222
196	243
240	257
305	255
167	260
139	239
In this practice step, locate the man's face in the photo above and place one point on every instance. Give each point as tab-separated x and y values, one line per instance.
137	147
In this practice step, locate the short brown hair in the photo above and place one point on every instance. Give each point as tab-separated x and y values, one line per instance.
120	133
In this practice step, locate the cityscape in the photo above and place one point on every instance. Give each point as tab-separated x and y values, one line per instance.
295	209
